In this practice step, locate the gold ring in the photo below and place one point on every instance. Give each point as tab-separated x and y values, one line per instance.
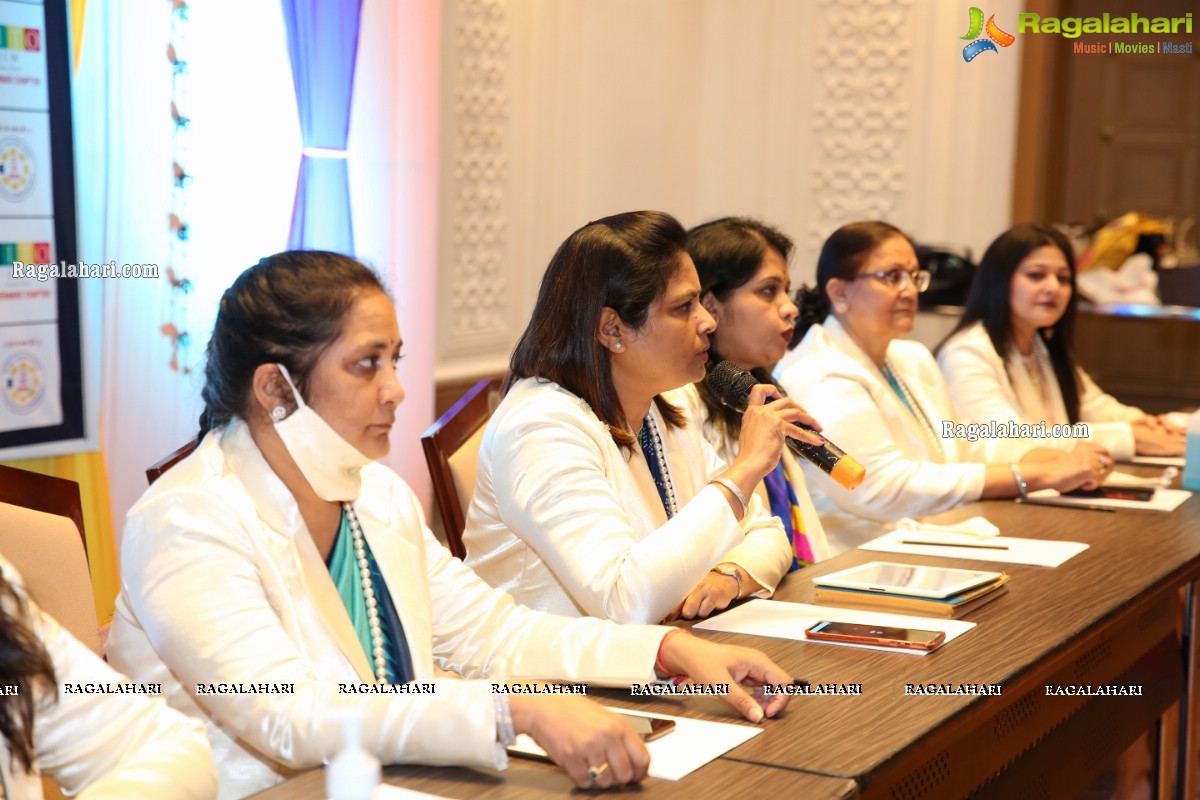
594	773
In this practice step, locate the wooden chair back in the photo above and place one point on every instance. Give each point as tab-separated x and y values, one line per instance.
42	534
451	448
155	471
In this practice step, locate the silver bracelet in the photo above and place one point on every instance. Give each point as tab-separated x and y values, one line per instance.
734	490
506	732
1022	487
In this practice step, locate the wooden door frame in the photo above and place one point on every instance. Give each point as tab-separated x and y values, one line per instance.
1041	124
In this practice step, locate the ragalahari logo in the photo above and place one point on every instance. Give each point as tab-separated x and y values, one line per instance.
995	36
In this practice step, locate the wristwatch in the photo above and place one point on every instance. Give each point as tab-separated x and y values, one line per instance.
732	571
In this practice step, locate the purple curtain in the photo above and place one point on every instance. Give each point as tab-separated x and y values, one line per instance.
322	38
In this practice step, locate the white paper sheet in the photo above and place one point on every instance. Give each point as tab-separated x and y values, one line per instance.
973	528
783	620
1119	478
1163	500
1037	552
386	792
692	744
1158	461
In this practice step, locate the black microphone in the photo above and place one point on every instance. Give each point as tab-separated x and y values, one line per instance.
732	384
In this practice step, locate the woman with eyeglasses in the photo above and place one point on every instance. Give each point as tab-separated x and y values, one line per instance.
885	402
1022	305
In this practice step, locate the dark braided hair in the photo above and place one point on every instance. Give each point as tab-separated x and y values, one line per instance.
286	309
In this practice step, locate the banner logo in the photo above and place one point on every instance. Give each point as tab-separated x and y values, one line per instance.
25	252
22	382
995	36
14	37
16	169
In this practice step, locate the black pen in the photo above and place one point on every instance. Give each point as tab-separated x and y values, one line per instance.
958	544
1085	506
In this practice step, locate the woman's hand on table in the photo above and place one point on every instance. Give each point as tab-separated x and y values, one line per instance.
581	735
708	663
1084	467
1152	437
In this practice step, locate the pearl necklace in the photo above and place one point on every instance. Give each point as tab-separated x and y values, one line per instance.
364	574
665	487
914	409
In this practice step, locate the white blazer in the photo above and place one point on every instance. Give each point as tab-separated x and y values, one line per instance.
221	583
987	387
568	523
105	746
727	450
907	476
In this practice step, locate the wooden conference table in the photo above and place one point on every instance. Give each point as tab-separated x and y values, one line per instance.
1110	615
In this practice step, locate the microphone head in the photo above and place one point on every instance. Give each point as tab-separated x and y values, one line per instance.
731	384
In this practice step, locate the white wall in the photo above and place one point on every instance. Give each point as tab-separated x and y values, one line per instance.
806	114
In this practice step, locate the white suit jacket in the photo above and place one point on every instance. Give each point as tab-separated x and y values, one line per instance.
105	746
727	450
836	382
563	519
984	389
221	583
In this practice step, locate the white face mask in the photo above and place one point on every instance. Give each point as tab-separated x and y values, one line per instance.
329	463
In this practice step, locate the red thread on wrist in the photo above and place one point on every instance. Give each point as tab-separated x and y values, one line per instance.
658	662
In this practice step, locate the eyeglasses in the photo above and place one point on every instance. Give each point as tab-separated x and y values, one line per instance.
899	279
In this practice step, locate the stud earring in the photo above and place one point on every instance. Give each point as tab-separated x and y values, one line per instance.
278	413
618	346
842	308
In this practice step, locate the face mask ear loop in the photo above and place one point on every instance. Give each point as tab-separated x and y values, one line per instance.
287	376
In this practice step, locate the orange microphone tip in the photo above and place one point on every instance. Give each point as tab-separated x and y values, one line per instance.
848	472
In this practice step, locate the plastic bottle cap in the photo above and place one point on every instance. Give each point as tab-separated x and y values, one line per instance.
848	472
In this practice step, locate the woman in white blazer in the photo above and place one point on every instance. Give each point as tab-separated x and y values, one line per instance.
884	401
1022	305
278	579
66	713
744	285
595	494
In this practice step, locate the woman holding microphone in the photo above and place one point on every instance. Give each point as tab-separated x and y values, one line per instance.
595	493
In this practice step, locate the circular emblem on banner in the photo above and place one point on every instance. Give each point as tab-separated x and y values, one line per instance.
16	168
23	383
